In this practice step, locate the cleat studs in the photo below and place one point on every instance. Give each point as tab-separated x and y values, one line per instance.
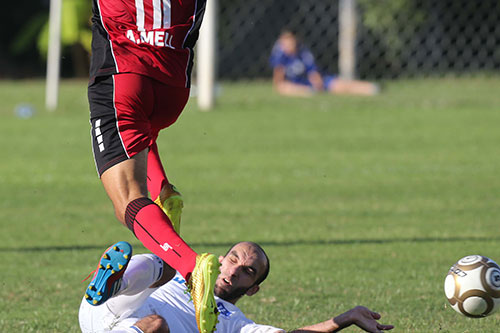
108	266
125	256
99	293
106	256
101	266
91	288
94	302
87	296
116	248
113	271
120	266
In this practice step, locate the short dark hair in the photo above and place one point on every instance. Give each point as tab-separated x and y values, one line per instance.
264	275
267	268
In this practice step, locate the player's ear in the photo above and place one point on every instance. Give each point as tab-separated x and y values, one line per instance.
220	259
253	290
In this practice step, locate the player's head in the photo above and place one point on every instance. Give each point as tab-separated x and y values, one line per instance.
243	268
288	42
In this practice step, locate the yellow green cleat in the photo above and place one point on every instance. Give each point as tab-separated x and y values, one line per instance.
201	286
172	206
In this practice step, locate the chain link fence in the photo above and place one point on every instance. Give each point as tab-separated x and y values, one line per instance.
395	38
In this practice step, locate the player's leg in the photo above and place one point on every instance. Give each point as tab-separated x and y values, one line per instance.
288	88
144	274
122	133
106	282
168	107
201	282
120	273
107	278
124	291
125	182
121	106
145	271
162	192
352	87
153	228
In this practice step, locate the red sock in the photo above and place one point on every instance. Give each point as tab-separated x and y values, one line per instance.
157	178
153	228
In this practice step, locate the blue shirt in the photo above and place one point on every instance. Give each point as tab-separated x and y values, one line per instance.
297	67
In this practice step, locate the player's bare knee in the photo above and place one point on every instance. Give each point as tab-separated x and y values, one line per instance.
153	324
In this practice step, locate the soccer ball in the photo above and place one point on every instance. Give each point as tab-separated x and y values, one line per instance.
472	286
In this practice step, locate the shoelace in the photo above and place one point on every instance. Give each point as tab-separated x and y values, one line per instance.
93	272
188	291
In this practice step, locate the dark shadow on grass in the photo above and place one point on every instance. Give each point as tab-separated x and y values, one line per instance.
269	243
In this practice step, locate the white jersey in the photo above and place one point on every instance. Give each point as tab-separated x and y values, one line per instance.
172	302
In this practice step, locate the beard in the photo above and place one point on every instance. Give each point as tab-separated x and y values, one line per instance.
231	295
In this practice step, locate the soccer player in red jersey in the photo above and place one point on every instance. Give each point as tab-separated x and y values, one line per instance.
142	56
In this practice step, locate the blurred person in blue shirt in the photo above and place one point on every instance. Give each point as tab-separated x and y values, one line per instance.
296	74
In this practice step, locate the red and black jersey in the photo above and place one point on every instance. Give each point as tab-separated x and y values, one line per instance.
148	37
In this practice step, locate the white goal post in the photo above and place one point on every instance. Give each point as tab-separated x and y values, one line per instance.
53	55
347	39
206	63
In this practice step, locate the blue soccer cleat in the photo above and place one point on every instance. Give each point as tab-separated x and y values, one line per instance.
108	275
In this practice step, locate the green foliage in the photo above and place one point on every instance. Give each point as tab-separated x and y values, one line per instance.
357	200
75	28
391	21
28	34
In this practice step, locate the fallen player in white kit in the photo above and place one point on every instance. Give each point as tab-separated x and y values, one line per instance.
143	294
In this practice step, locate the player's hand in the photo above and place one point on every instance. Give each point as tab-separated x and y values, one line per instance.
363	318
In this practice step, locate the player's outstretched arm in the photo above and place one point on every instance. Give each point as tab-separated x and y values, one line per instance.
316	80
359	316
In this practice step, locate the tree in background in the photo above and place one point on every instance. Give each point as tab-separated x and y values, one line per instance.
392	22
76	35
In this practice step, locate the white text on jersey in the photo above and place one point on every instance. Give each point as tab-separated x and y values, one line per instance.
159	38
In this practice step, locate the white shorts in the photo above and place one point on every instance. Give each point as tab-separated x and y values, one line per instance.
120	312
94	319
97	319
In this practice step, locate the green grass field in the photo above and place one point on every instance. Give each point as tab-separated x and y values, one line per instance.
356	200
